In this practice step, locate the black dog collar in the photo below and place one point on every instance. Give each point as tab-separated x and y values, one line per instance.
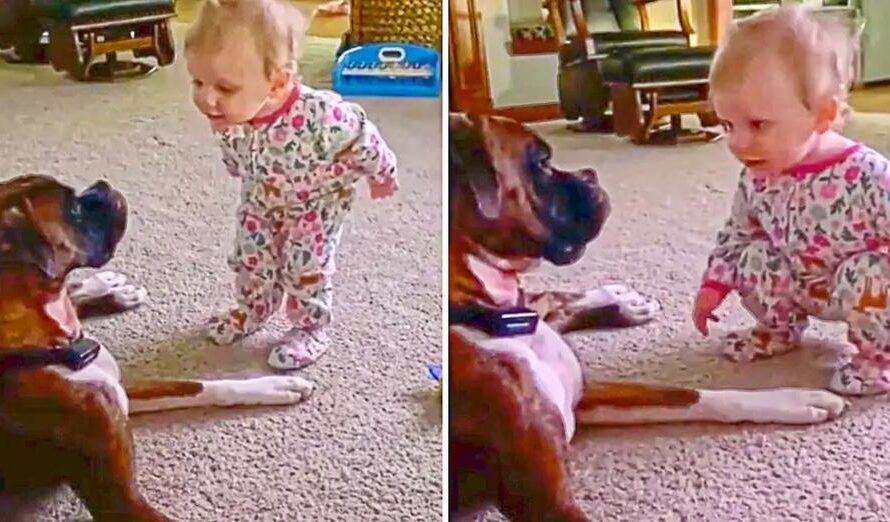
497	323
76	356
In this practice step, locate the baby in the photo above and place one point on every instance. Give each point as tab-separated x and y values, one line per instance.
298	153
809	230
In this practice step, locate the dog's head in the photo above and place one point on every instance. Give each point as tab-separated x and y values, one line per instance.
508	199
48	230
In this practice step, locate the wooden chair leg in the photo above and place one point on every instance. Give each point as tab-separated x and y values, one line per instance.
650	121
708	119
627	111
64	53
164	43
162	47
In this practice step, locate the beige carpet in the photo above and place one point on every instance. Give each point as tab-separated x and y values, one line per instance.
668	204
366	446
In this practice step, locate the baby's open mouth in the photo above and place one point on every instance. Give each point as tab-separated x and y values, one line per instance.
754	163
217	121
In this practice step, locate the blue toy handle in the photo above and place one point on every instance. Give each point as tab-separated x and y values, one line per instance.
388	69
391	54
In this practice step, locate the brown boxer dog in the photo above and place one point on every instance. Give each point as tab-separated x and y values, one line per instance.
63	423
515	398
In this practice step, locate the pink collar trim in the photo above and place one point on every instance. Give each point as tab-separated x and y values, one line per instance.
804	169
280	111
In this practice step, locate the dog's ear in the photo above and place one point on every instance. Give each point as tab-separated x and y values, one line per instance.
504	142
488	197
22	245
470	163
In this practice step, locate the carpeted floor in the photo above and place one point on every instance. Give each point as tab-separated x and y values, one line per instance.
668	204
367	445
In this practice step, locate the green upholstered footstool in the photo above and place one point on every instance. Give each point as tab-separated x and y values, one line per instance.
80	31
651	84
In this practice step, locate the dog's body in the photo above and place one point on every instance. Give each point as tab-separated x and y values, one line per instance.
515	401
58	425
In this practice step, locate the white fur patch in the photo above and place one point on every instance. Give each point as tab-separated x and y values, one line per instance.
103	370
554	367
633	306
108	283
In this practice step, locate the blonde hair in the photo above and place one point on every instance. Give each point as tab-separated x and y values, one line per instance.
275	26
820	51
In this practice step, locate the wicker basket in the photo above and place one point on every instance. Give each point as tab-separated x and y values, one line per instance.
405	21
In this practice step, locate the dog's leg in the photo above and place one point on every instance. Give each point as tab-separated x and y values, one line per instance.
105	293
86	436
617	403
609	306
150	396
532	483
507	445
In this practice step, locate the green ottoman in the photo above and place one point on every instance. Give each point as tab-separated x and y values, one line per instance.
80	31
651	84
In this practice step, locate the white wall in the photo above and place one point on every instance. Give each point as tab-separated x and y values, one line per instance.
519	80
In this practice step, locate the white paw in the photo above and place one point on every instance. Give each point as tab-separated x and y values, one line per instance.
632	306
781	406
268	391
104	284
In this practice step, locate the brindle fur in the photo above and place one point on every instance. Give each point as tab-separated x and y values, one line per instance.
507	445
52	430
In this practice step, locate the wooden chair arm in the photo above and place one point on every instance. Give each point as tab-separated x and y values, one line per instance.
555	20
578	17
582	35
682	15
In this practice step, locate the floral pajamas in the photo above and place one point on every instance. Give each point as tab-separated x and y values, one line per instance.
814	242
298	168
284	254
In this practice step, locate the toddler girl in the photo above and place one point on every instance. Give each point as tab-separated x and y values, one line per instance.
298	153
809	230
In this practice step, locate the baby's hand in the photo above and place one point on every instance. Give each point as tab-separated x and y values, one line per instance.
706	302
384	189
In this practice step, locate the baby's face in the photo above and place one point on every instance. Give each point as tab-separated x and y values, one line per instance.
769	129
229	86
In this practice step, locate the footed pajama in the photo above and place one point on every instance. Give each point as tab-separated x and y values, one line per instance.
813	242
298	167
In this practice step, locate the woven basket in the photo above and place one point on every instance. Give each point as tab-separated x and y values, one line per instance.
404	21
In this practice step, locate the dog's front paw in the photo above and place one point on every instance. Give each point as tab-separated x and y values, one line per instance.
107	290
632	308
268	391
807	406
780	406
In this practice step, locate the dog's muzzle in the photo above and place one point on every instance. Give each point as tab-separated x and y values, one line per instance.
575	210
100	215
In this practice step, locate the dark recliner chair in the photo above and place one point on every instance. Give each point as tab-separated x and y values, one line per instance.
614	27
81	31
